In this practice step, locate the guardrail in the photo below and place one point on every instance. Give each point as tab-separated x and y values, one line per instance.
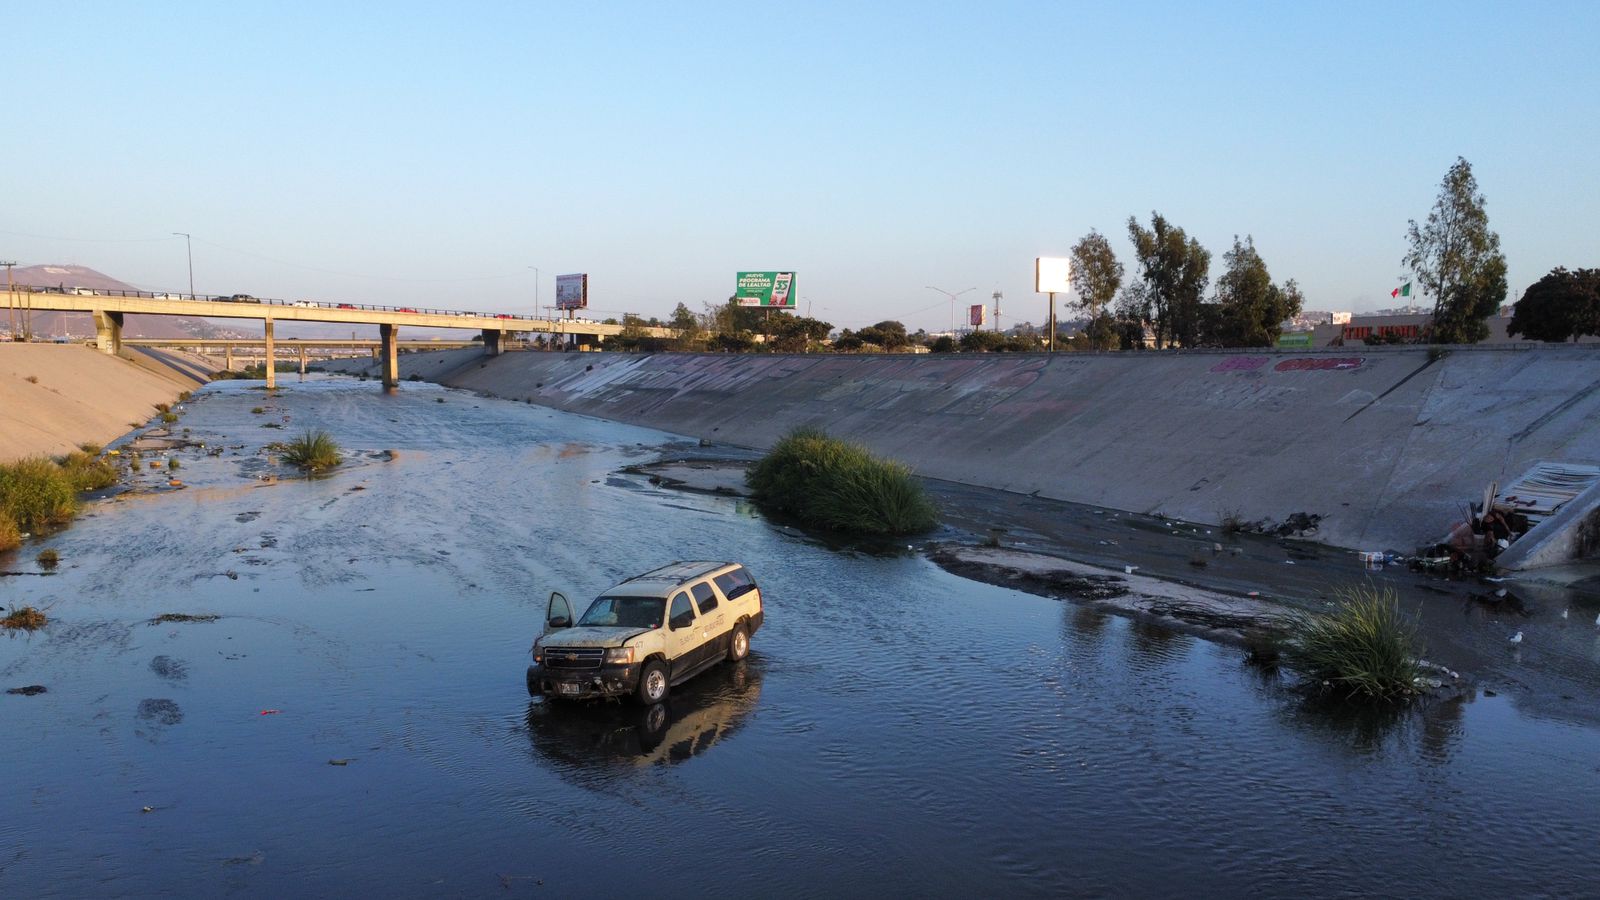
263	301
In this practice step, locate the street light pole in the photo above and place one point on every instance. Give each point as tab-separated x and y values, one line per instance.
952	297
190	247
538	309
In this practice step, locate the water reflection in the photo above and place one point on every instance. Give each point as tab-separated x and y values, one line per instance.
697	715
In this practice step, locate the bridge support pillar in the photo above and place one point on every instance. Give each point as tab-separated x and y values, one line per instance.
272	358
227	357
302	361
389	344
491	341
108	331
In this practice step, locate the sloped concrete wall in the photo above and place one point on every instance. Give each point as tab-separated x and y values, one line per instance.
1385	443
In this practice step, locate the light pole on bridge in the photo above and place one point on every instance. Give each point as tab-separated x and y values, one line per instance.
190	247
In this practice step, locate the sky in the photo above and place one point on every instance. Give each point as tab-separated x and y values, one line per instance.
437	154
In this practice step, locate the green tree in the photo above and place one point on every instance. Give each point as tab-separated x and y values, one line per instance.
1250	308
1558	306
984	342
847	342
944	343
889	335
1175	270
1096	273
795	334
1457	260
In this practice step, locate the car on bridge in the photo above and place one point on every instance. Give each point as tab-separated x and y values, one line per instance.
305	304
404	309
504	316
647	634
345	306
239	298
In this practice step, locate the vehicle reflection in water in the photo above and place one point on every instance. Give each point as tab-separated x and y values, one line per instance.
603	736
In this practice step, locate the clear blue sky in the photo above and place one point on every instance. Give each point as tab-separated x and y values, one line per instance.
427	154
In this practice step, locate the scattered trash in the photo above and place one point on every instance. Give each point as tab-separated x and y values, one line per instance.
1516	638
31	690
183	617
147	809
270	712
1288	562
1129	569
1253	594
340	762
1489	692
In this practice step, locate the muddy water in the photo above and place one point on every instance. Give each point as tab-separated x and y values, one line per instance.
355	722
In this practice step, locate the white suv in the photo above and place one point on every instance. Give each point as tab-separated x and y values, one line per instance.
647	633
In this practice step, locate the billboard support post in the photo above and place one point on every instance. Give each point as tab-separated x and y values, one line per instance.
1051	346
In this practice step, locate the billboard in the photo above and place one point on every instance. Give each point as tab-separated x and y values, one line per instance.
975	315
1050	275
765	289
572	291
1294	339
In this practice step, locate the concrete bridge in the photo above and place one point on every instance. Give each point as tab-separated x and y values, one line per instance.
304	348
109	307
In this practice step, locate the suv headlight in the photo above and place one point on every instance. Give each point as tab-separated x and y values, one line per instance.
538	653
619	655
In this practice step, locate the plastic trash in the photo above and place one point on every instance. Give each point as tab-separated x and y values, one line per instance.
1129	571
270	712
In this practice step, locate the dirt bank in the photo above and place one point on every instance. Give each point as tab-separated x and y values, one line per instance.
54	397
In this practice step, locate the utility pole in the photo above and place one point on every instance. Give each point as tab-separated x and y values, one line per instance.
996	297
11	302
538	310
190	247
952	297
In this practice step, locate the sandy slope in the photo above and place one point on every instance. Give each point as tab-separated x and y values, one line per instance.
80	395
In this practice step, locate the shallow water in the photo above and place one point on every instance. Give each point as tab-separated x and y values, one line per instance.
356	721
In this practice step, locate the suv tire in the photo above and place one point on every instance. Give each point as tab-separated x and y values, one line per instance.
739	644
653	683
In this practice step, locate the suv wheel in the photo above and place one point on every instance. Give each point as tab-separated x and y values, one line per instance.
739	644
652	683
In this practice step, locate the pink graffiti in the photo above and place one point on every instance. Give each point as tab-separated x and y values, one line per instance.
1320	364
1240	364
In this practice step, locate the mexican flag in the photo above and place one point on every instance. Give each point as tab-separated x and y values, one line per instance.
1403	290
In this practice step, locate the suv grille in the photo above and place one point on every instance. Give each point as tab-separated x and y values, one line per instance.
573	657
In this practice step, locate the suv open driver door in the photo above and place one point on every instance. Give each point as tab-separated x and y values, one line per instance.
558	614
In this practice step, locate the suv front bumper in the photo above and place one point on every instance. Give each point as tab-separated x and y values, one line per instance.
608	681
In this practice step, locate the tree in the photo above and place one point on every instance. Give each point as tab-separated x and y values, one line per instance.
1251	309
1096	273
889	335
1457	260
944	343
1558	306
795	334
984	342
1175	270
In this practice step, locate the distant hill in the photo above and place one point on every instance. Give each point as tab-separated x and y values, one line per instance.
50	323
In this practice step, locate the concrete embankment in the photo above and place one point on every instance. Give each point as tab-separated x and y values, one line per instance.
54	397
1386	444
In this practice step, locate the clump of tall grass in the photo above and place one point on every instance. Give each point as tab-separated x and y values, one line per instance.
36	494
312	451
88	471
840	486
48	558
10	535
1363	649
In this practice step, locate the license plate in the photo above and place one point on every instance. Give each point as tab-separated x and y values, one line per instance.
565	688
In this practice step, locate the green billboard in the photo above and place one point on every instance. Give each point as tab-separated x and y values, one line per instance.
1295	339
765	289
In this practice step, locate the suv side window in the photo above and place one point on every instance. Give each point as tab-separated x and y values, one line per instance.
735	584
704	598
682	613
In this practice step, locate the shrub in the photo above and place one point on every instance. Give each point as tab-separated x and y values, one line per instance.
32	379
37	494
10	534
258	410
184	397
829	483
1365	648
312	451
88	472
48	558
173	464
27	618
91	449
169	417
163	407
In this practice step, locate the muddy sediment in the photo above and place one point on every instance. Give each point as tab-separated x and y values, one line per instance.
1212	614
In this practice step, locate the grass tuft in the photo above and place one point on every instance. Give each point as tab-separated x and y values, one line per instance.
832	484
27	619
10	534
48	558
88	471
1364	649
169	417
312	451
37	494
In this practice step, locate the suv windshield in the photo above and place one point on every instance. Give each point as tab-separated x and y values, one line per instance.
626	612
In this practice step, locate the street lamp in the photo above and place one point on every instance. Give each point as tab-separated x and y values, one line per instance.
538	311
190	247
952	304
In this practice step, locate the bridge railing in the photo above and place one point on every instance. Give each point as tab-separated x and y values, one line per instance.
262	301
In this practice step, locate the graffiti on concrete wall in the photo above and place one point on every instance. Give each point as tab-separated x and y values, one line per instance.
1240	364
1320	364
